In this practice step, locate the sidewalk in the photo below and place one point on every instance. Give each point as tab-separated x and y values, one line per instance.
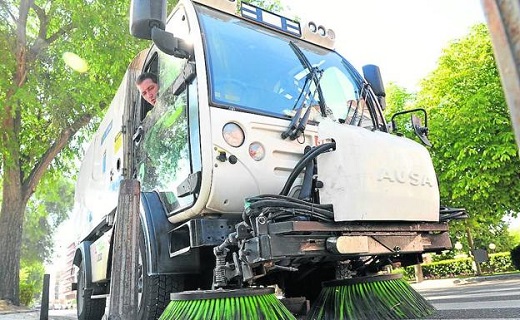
450	282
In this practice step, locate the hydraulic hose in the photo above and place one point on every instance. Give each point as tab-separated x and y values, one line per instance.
313	153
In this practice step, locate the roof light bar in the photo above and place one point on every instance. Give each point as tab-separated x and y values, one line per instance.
271	19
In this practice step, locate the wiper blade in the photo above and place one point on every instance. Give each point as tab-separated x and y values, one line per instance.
297	125
313	73
298	106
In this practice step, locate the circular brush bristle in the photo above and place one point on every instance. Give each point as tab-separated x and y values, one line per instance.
222	304
377	297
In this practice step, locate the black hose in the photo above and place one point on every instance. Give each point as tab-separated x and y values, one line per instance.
313	153
279	207
287	198
283	204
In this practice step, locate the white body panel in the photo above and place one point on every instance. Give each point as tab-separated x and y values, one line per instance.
97	187
232	183
375	176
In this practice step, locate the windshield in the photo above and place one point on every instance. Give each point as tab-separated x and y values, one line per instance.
257	70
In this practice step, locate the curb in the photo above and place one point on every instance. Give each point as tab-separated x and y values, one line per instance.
4	312
511	276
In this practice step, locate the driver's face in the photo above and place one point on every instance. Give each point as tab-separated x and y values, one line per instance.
148	90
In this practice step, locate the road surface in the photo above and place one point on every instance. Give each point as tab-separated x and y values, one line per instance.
494	297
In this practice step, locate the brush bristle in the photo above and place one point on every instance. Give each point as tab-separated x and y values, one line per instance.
389	298
245	307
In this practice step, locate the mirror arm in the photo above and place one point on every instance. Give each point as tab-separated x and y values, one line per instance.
408	111
169	44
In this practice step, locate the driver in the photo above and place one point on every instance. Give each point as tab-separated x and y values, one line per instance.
148	86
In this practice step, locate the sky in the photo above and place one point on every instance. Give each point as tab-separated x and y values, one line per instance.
404	38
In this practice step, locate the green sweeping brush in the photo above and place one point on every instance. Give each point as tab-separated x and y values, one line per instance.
221	304
377	297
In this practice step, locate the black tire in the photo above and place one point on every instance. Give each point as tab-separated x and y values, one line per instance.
88	308
154	291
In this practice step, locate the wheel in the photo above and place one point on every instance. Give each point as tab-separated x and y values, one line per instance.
154	291
87	308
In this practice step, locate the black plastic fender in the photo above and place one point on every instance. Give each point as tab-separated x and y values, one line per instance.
83	254
156	230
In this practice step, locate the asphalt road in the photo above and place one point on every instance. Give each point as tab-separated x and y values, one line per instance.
495	297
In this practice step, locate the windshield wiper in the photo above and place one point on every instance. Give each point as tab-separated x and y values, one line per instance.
298	107
297	125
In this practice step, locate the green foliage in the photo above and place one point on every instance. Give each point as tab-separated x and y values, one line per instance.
474	150
449	268
44	103
483	233
31	281
407	272
54	96
270	5
461	267
398	99
445	255
498	263
27	291
514	233
45	212
515	257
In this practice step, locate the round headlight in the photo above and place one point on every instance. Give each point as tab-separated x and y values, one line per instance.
312	27
233	134
256	151
331	34
321	31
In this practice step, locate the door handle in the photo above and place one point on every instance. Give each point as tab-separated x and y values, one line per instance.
138	135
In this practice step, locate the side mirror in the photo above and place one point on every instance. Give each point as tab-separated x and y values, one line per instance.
169	44
373	77
146	15
420	130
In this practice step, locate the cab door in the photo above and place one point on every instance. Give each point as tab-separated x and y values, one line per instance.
166	141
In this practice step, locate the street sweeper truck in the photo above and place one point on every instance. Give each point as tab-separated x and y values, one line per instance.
271	185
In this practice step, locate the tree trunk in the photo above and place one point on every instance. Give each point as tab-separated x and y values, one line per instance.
472	248
11	227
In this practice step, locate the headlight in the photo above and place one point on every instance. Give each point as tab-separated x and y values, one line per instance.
321	31
233	134
256	151
312	26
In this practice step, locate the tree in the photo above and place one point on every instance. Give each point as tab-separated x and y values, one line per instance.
399	99
46	210
271	5
474	149
45	103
